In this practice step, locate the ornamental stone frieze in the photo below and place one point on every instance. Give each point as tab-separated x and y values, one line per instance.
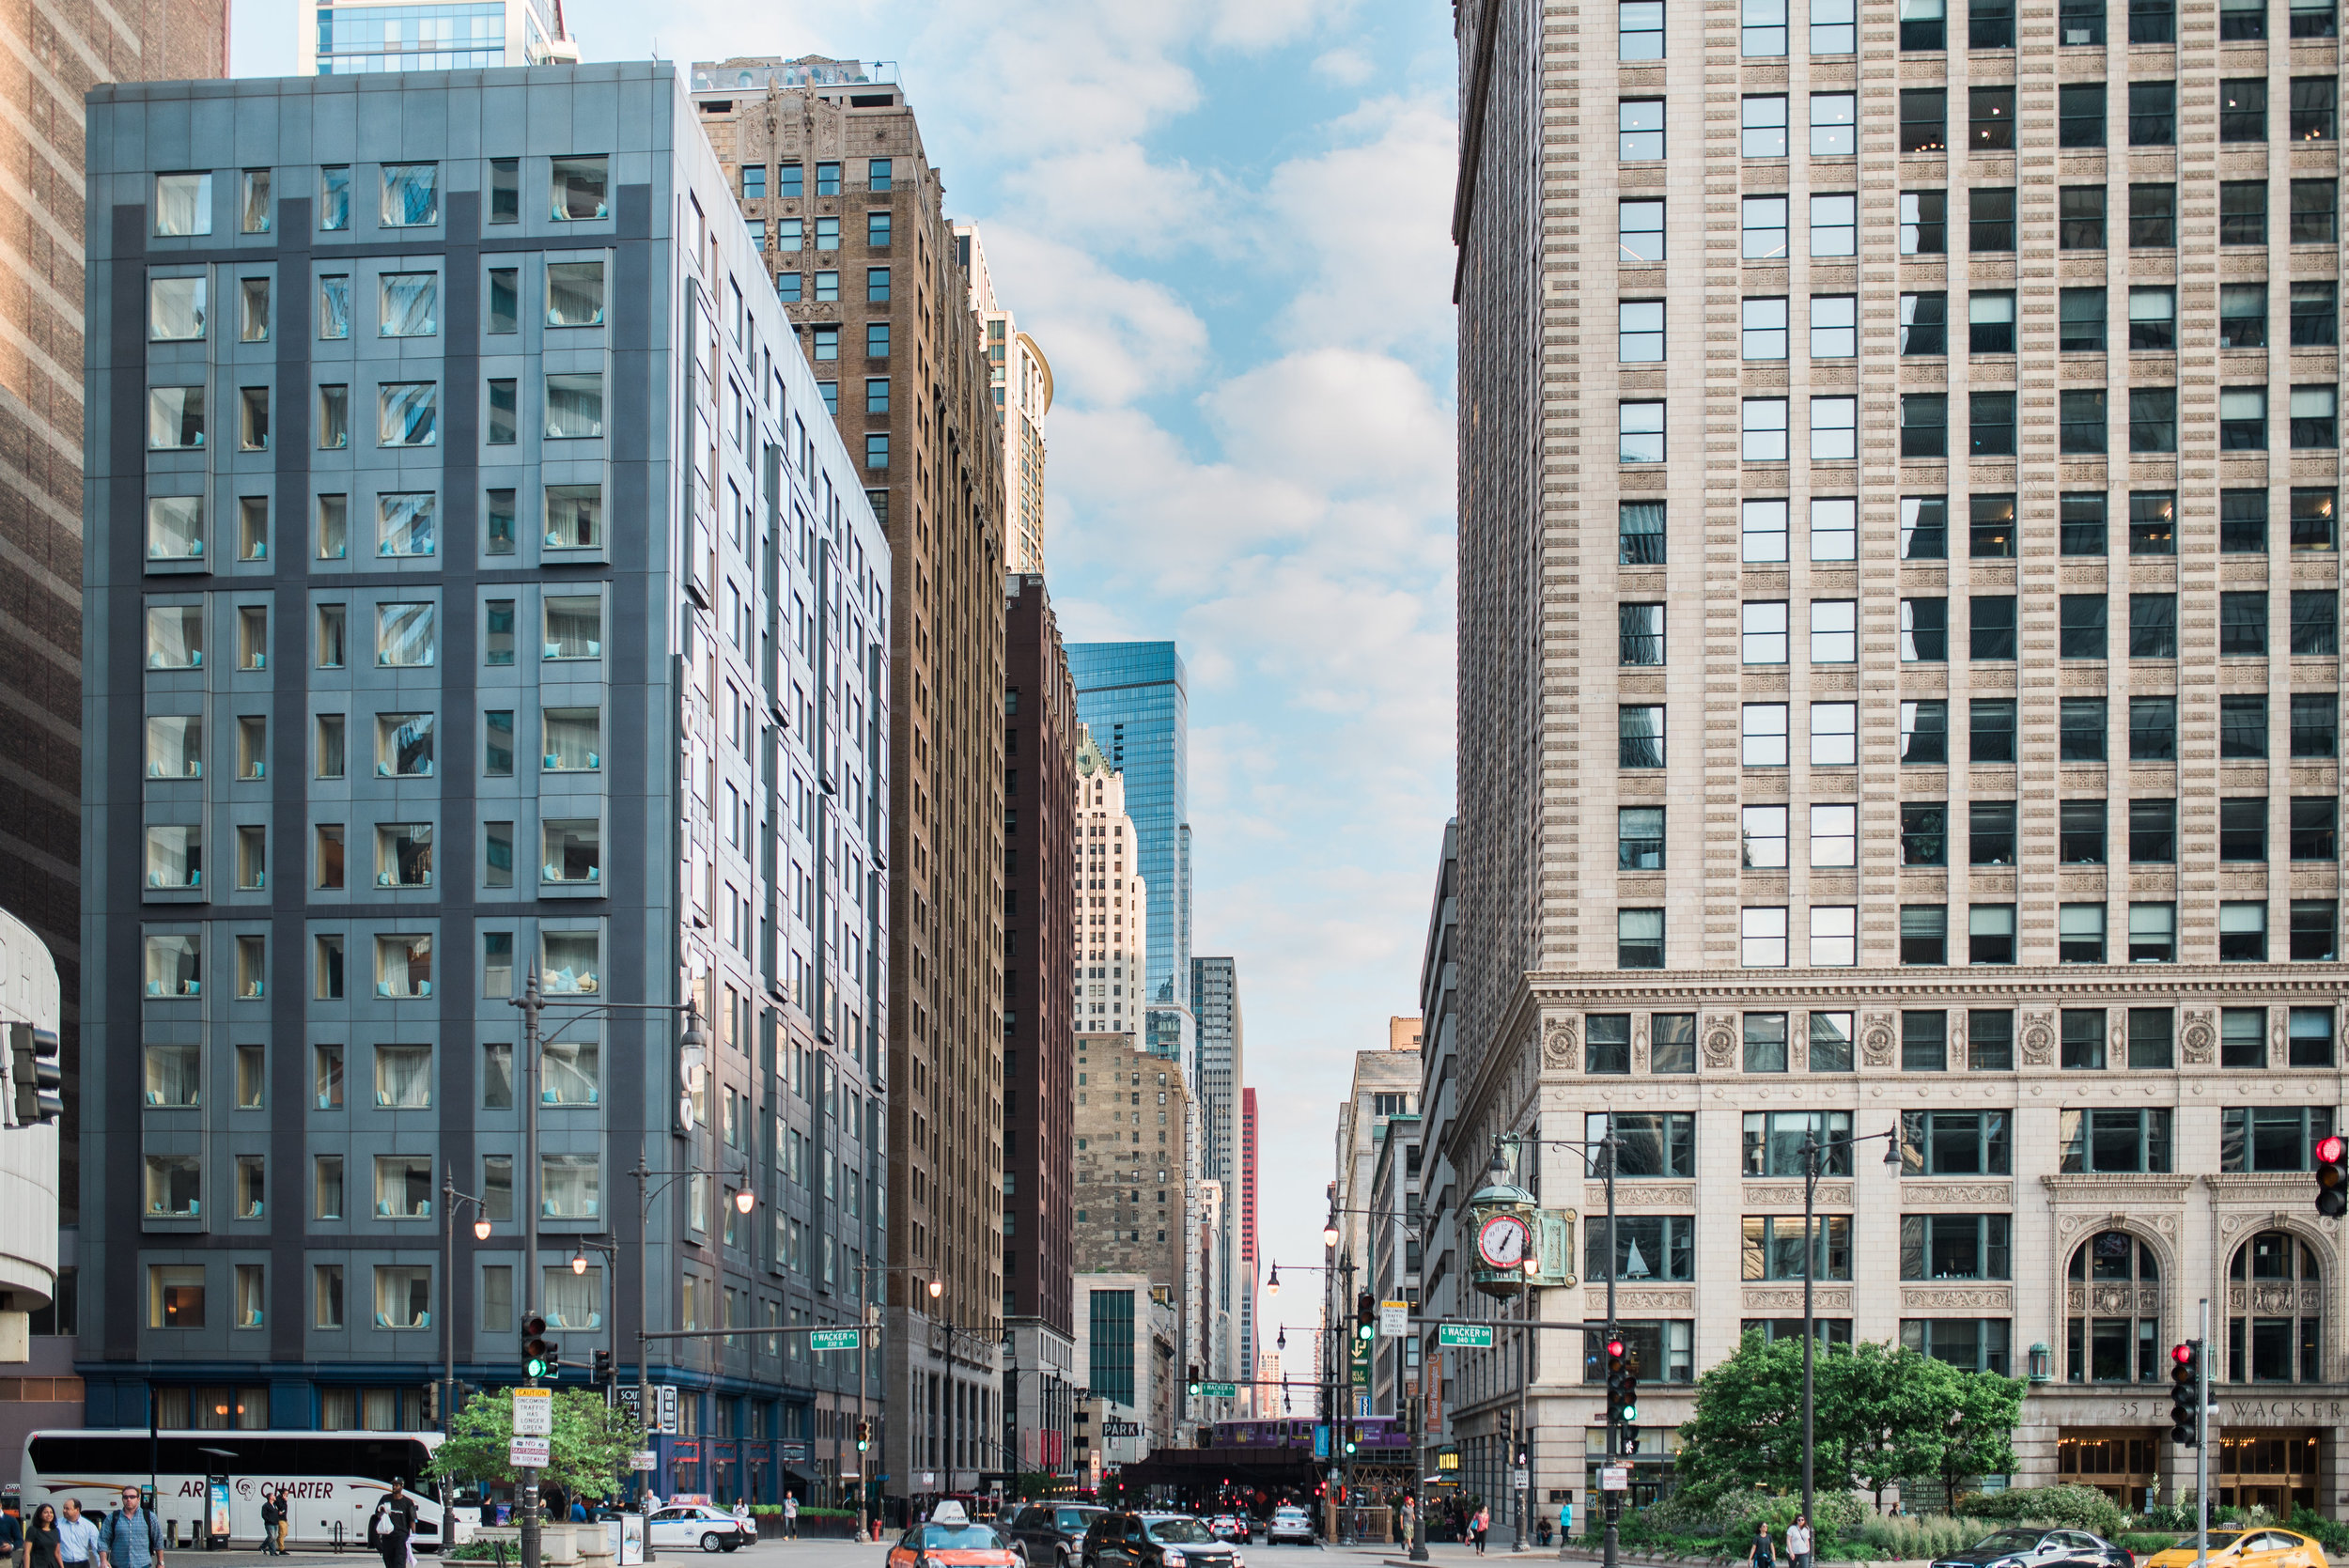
1558	1043
1876	1041
1720	1043
2276	1299
1789	1194
1636	1195
1654	1300
1781	1298
1981	1298
1973	1195
2113	1298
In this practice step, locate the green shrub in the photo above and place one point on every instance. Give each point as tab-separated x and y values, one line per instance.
2145	1544
2331	1534
1908	1537
2073	1507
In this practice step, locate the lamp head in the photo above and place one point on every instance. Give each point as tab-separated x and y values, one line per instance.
1893	1147
1329	1233
481	1229
937	1288
1272	1285
744	1199
579	1263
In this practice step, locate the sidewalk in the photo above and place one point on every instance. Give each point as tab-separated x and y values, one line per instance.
1581	1553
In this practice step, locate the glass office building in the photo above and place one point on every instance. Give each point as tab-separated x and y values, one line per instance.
351	38
1133	697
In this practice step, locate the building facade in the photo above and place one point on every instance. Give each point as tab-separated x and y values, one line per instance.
1021	377
1132	1116
1126	1355
1443	1192
1214	1002
1393	1262
65	55
1386	1084
1039	1026
1251	1301
1134	698
519	543
827	163
1954	488
353	37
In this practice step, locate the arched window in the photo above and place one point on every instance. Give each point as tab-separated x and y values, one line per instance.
2112	1331
2275	1302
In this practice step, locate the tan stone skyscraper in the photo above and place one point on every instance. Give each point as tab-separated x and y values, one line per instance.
56	57
829	163
1899	689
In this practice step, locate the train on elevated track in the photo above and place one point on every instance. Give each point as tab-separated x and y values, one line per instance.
1379	1436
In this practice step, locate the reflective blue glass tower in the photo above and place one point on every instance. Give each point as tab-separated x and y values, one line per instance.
1133	697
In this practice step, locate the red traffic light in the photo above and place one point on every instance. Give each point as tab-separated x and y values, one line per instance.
2181	1353
1615	1347
2330	1151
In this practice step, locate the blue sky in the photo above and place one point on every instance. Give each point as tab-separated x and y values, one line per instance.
1226	222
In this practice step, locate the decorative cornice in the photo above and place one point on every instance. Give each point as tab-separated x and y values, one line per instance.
2115	1187
1685	991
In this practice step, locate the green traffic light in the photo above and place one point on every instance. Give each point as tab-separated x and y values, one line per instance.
1630	1414
537	1368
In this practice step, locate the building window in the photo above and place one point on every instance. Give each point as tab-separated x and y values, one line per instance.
1924	934
1925	732
2315	925
1641	427
1607	1042
1924	1041
2265	1137
1763	735
1956	1247
1773	1246
1990	218
2280	1338
1775	1141
1640	532
1647	1142
1924	424
1924	630
1639	737
2153	217
1955	1142
1924	223
1645	1246
1834	123
2119	1349
2080	218
1834	941
1968	1343
2107	1140
1639	939
1640	838
1763	221
1762	938
1834	735
1639	229
1640	331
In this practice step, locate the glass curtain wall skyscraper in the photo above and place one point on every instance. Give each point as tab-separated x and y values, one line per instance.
1133	697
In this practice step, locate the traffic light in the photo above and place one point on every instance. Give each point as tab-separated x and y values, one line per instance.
1349	1437
863	1435
2332	1176
1630	1443
1366	1316
1617	1359
1193	1379
37	1068
537	1351
2185	1393
1630	1411
603	1372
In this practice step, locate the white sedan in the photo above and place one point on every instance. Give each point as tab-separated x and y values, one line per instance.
712	1529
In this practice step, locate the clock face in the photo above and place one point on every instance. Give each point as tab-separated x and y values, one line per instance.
1501	1243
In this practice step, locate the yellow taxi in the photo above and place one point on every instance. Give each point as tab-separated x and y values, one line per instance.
950	1539
2263	1547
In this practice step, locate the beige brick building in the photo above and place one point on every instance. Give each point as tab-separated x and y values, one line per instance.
1899	687
828	159
1133	1122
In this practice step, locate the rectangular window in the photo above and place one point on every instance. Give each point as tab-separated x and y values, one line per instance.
1925	732
1762	118
2243	829
1924	630
2315	205
1641	432
1762	938
1763	431
2081	115
2153	114
1924	223
2081	726
2080	632
1640	231
1990	627
1834	120
1640	130
1763	735
2153	833
1834	735
1835	225
1991	730
1924	934
1647	1142
1834	328
1990	218
1925	528
1990	934
1834	430
2152	729
2316	314
1647	1247
2082	421
1834	528
2080	22
1762	225
1763	328
1835	631
1779	1143
2243	624
2153	418
2242	933
2315	724
2315	927
2153	217
1956	1247
2081	934
1640	838
2242	20
1764	29
2315	416
2134	1140
2080	218
1639	30
1990	832
1834	27
1640	330
2315	828
2276	1138
1640	736
1761	527
1640	634
1926	323
1639	939
1923	24
1834	834
2242	419
1924	424
2313	519
1990	110
1762	837
2153	936
2243	212
2083	1048
1640	532
1924	832
2153	625
1774	1244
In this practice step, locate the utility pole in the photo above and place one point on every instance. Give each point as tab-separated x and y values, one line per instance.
1614	1426
2201	1444
526	1193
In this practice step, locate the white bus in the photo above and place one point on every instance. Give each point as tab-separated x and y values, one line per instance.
331	1478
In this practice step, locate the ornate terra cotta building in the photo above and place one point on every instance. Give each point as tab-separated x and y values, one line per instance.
1899	692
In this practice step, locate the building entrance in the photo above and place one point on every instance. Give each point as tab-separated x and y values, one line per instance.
2275	1470
2122	1462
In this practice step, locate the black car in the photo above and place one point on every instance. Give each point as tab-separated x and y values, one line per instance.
1049	1534
2032	1547
1156	1541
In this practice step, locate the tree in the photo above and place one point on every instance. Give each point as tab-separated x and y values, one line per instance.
1880	1413
587	1454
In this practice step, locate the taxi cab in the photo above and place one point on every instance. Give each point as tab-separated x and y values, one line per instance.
2244	1548
950	1539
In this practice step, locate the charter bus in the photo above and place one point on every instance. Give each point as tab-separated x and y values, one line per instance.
332	1479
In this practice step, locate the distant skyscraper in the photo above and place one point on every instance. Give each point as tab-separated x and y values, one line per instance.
1022	380
1132	697
352	37
1249	1349
1215	998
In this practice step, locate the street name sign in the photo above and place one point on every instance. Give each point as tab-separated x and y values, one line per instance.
1471	1336
834	1339
1219	1391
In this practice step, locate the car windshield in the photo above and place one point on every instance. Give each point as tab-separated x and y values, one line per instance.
2009	1541
1179	1532
2219	1541
1078	1518
957	1538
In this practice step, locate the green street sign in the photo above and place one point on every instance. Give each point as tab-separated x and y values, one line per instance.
1472	1336
1219	1391
834	1339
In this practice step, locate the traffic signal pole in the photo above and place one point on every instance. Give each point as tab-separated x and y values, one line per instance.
2201	1445
1614	1409
526	1189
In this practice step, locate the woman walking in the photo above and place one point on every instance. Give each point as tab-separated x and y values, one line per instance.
41	1546
1758	1555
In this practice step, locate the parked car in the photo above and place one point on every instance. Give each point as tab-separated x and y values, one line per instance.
712	1529
2251	1548
1289	1524
2023	1547
1156	1541
950	1539
1051	1534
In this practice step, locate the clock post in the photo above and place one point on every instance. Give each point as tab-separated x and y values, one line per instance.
1501	1216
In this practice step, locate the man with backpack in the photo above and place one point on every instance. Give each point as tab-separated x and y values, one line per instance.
133	1538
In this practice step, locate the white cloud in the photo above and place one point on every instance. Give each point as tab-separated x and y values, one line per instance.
1111	338
1346	67
1115	198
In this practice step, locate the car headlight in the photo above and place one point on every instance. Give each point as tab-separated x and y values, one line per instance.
1239	1559
1174	1557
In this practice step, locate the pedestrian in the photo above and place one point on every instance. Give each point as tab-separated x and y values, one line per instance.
790	1516
1410	1515
1799	1542
77	1537
43	1545
11	1537
1478	1525
1758	1555
272	1510
1565	1520
396	1522
132	1538
579	1510
284	1519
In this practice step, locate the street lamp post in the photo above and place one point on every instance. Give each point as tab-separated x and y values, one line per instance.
937	1287
526	1192
1813	1149
450	1198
